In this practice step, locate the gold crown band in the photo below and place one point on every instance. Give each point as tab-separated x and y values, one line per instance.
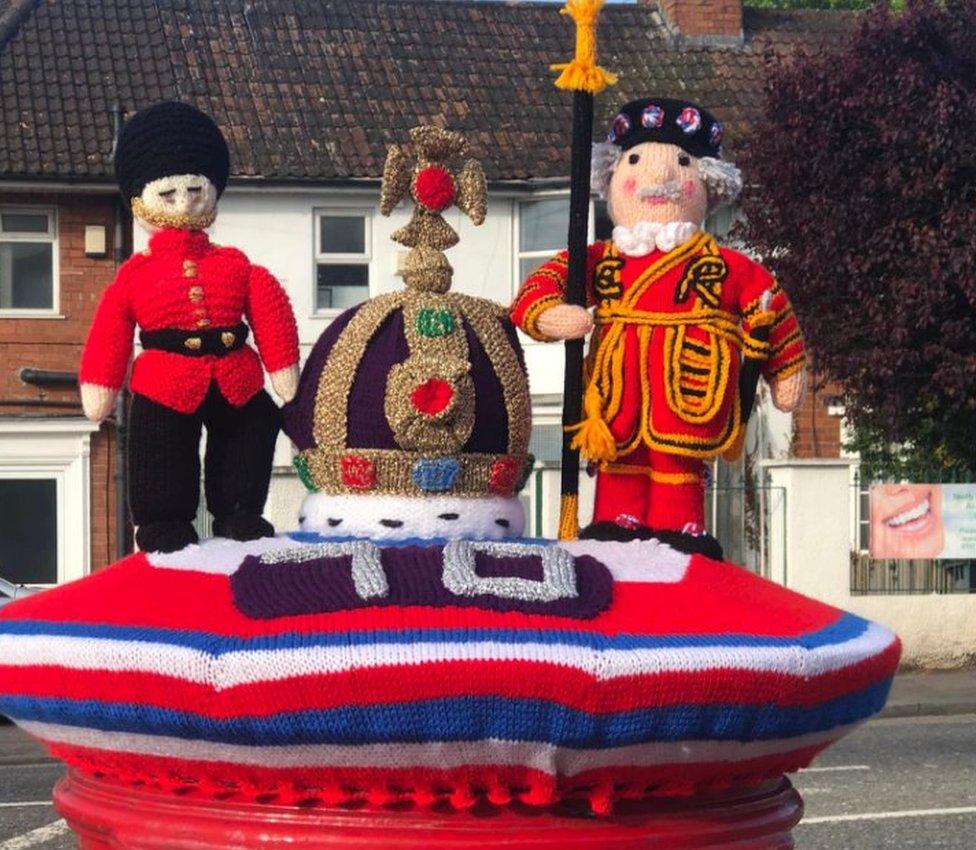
397	473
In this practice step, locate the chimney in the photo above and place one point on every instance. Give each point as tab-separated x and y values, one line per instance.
702	21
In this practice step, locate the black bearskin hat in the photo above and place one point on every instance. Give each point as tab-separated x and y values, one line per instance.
169	138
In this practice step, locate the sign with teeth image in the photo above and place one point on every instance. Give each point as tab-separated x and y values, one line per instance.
923	521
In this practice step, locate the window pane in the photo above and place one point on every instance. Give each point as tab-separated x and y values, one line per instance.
342	234
26	275
24	222
543	225
527	265
28	530
341	285
602	225
546	443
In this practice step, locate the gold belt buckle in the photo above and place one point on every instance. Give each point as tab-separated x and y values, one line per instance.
194	343
228	339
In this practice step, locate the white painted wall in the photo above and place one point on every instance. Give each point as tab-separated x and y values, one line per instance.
937	630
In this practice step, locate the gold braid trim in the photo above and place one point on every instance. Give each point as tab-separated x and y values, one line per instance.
790	367
788	340
659	477
339	372
446	357
485	319
680	444
783	317
531	317
420	437
394	468
569	516
553	275
719	322
604	391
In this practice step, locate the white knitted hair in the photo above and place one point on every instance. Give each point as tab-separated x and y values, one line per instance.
722	179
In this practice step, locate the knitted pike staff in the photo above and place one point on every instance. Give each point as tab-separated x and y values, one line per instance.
584	78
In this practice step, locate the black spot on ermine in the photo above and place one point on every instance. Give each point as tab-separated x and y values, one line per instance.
391	523
448	516
333	522
504	523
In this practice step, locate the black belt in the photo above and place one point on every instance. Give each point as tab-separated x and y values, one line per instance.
216	341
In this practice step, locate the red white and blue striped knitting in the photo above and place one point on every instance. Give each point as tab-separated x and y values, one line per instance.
420	670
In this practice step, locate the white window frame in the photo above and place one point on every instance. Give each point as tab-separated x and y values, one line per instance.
542	255
58	449
51	238
318	258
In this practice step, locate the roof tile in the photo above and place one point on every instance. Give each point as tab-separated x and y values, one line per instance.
316	89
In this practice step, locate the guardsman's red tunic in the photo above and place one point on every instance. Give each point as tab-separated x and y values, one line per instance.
184	282
663	367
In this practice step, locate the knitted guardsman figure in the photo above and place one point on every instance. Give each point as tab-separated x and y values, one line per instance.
189	299
674	315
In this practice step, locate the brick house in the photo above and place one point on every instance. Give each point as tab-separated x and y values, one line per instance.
309	94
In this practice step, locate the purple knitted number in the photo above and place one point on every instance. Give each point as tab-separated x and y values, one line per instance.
490	575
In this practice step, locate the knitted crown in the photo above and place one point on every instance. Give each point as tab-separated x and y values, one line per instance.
421	391
166	139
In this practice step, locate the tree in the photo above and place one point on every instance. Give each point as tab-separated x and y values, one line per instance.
864	204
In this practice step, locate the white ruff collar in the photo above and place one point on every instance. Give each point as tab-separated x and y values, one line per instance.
645	236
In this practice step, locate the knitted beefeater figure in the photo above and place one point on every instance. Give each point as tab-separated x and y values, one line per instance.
189	298
674	316
412	416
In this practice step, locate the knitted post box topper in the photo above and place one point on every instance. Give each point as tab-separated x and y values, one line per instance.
408	646
189	299
674	314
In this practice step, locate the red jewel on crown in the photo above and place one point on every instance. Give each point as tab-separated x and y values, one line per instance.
357	472
503	476
434	188
432	397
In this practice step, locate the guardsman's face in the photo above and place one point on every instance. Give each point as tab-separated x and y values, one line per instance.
657	182
180	200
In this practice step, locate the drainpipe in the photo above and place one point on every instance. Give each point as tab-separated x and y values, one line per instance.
121	469
48	377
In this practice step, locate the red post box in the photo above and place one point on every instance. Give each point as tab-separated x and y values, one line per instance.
106	815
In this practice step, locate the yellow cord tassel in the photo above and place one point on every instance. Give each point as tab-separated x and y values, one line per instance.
593	438
734	452
569	517
582	73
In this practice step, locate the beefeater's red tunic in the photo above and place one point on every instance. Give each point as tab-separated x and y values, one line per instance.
663	364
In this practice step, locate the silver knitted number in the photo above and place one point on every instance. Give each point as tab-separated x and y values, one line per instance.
461	578
368	577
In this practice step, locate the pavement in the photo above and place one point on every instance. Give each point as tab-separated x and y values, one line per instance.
932	693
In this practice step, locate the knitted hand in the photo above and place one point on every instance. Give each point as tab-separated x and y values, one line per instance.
565	321
285	382
97	401
788	393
